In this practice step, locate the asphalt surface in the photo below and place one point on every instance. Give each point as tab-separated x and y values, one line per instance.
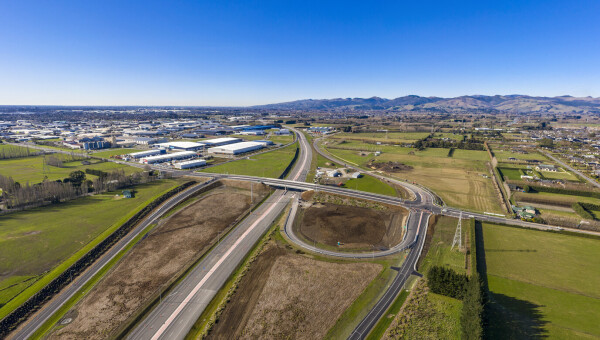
50	308
406	270
176	314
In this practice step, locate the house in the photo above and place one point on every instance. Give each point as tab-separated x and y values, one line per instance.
127	194
546	167
526	212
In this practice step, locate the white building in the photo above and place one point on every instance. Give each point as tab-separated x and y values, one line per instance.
237	148
221	141
148	153
194	163
168	157
187	146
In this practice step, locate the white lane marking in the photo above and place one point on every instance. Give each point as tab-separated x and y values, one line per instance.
189	297
303	163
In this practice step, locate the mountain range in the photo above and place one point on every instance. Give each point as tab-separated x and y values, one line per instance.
475	103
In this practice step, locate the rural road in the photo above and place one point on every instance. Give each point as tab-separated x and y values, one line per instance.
591	181
50	308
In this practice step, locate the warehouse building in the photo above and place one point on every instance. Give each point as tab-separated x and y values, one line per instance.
236	149
147	153
186	146
194	163
265	142
168	157
221	141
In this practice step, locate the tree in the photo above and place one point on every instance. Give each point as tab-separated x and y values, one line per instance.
471	319
547	143
77	177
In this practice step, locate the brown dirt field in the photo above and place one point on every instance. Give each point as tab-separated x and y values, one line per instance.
289	296
354	227
154	262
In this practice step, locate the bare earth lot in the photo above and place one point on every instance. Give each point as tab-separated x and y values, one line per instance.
158	259
290	296
353	227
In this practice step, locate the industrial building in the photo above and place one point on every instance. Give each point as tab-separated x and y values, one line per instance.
194	163
221	141
265	142
186	146
168	157
147	153
236	149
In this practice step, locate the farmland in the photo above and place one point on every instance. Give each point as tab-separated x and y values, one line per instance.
457	180
114	152
32	169
269	164
541	284
390	137
35	241
167	251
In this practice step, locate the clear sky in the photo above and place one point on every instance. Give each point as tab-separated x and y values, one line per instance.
103	52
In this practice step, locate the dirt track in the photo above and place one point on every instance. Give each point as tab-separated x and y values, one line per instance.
353	227
290	296
156	260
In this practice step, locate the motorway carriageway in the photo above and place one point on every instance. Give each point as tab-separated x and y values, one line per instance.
179	311
59	300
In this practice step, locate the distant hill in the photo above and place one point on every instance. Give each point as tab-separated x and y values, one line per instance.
476	103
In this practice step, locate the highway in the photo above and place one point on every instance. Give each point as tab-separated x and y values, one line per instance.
177	313
409	266
50	308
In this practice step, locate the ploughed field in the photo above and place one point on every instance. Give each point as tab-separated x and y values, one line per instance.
157	260
285	295
353	227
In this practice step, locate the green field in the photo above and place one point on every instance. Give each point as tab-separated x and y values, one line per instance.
114	152
439	253
504	155
269	164
390	137
554	198
510	174
541	284
370	184
35	241
457	180
281	139
559	175
32	170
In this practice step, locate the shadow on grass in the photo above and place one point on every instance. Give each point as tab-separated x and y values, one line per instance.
506	317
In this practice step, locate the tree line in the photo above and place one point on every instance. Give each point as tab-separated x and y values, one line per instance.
10	151
447	282
464	144
23	196
12	320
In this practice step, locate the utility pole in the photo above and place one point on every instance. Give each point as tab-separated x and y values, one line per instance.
458	234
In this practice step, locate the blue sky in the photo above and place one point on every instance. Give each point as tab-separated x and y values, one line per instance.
257	52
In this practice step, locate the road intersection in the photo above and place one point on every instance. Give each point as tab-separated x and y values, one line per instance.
175	315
